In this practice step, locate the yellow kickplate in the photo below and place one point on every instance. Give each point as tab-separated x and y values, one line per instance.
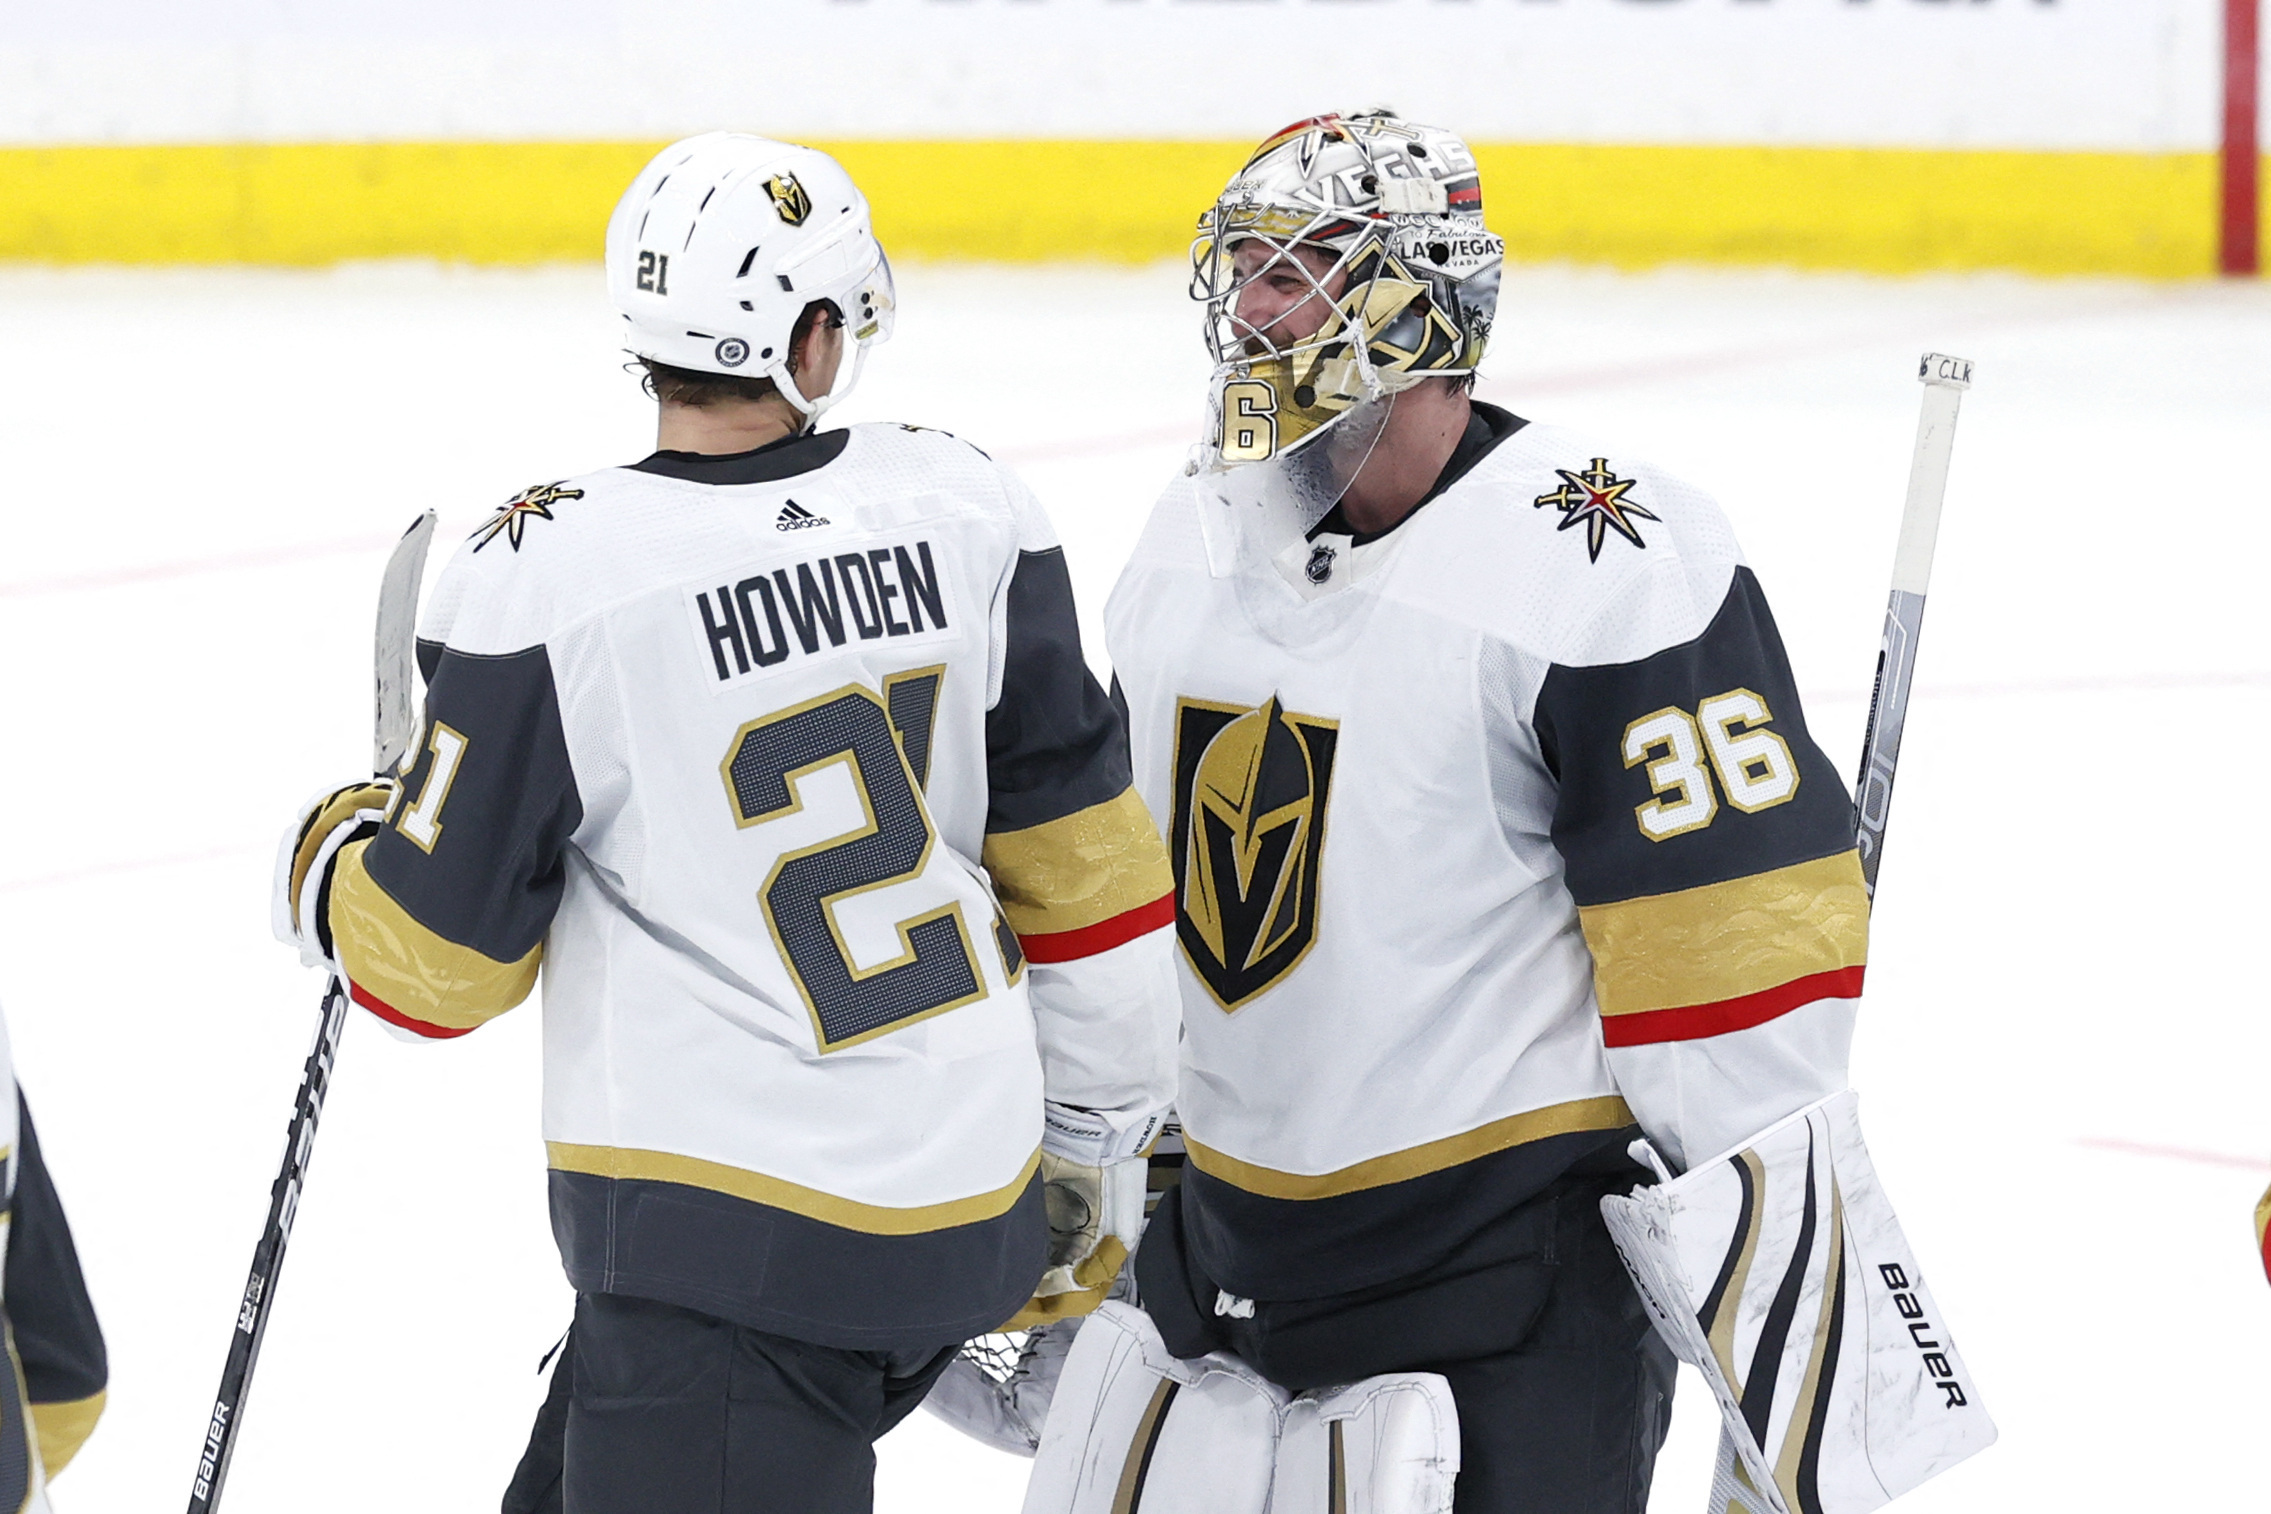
1880	210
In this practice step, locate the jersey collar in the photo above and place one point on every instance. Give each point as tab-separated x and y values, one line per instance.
786	458
1487	426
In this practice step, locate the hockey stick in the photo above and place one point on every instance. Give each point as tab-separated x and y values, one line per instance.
394	668
1944	379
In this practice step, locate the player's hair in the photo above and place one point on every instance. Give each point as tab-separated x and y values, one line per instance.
687	386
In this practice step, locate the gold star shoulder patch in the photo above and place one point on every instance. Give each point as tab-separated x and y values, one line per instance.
1599	500
513	516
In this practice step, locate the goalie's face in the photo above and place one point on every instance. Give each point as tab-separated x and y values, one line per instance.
1285	295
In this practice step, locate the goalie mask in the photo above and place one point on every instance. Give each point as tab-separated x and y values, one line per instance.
723	240
1382	219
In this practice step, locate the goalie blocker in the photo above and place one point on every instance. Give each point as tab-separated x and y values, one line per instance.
1780	1272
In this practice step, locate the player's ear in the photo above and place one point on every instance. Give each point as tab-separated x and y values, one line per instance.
821	316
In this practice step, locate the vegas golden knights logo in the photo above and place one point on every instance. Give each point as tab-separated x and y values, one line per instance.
1248	840
789	198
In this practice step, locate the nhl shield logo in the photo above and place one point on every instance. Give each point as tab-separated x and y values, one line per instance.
1248	839
789	198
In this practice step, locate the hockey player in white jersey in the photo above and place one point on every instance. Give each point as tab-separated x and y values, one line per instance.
776	752
1499	841
54	1369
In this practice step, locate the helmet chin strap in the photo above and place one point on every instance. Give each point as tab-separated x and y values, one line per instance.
813	409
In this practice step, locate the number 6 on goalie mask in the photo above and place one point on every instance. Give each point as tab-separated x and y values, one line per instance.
1346	262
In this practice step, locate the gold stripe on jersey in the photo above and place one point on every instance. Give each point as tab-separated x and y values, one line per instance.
779	1193
392	957
1081	870
1607	1113
1724	940
62	1428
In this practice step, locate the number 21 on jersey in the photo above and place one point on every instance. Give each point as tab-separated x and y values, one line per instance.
854	728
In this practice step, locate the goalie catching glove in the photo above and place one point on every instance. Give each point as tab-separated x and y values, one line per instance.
299	904
1780	1272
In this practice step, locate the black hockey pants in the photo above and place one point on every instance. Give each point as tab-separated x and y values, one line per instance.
1564	1390
656	1409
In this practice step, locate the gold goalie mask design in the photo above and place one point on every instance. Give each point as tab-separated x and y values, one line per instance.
1410	291
1407	295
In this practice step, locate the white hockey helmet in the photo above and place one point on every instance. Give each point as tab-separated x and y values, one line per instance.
1398	206
722	241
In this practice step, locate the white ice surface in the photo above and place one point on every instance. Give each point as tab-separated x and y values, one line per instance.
2064	1053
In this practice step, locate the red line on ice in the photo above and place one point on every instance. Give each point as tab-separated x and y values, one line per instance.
133	865
190	567
2173	1153
2141	683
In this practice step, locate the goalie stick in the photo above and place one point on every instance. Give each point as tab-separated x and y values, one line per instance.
1945	379
394	667
1733	1489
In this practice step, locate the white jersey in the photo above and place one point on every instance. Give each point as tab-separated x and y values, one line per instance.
1497	839
22	1479
55	1371
787	768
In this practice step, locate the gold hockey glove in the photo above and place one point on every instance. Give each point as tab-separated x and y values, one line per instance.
304	862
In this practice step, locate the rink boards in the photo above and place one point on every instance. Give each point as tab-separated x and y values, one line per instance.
1891	135
1880	209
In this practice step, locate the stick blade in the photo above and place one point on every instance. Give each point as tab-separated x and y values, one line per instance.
395	656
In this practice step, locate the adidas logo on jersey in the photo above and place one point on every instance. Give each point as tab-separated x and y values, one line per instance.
794	517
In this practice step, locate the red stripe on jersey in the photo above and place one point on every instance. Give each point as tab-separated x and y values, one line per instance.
393	1016
1071	945
1693	1022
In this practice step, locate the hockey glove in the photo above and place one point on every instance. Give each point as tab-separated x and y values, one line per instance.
1095	1216
302	894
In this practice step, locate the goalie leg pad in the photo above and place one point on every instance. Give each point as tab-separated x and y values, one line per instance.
1780	1272
1133	1428
1387	1445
